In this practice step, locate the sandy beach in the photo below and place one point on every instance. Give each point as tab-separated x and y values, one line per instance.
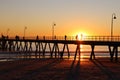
60	69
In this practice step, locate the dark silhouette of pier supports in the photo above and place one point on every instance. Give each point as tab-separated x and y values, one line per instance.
30	49
92	55
25	49
61	53
3	40
37	46
21	48
44	48
10	45
16	46
65	45
77	51
55	50
113	52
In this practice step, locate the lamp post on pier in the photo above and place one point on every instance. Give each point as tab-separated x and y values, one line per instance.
53	25
113	17
25	30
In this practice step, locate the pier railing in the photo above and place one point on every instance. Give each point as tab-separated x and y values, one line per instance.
84	38
102	38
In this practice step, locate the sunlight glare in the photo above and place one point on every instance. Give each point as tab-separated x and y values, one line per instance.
81	36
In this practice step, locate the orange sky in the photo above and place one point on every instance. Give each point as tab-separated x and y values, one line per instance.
72	17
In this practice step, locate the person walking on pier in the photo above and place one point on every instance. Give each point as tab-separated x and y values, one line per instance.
76	37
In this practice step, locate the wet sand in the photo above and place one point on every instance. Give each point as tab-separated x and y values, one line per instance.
60	69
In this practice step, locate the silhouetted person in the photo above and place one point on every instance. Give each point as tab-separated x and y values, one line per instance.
76	37
37	37
3	37
17	37
65	37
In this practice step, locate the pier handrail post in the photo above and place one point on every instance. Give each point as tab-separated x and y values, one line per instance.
55	37
23	38
43	37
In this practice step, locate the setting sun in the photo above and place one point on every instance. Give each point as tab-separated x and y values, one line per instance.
81	35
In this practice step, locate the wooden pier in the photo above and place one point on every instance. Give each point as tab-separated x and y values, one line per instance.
24	46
